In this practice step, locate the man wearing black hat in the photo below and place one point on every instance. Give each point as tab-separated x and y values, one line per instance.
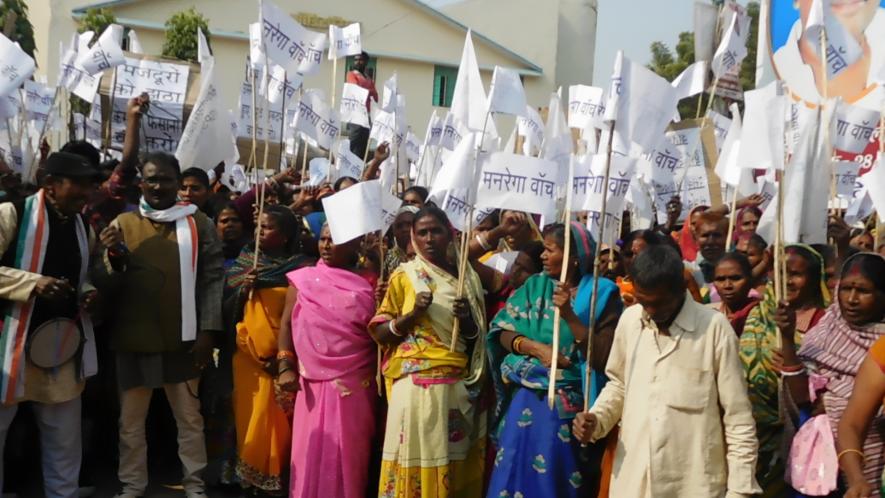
47	348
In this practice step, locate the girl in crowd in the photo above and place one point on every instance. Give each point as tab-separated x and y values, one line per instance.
332	363
263	425
835	349
806	298
688	244
754	247
536	454
434	442
415	196
732	278
861	240
401	234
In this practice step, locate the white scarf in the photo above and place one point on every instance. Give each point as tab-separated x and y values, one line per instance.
30	254
188	245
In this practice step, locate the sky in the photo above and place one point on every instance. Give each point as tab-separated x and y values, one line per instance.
632	26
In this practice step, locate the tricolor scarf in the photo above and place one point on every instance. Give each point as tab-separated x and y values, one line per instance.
188	244
30	252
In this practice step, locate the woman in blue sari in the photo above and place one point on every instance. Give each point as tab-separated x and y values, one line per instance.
536	454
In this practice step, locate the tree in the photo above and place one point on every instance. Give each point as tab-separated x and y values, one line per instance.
22	31
664	63
96	20
181	34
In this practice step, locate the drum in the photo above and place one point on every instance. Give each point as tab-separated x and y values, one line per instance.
54	343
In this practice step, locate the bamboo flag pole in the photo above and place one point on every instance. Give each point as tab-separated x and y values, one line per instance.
113	93
252	159
732	219
880	225
595	292
563	276
259	178
465	237
332	96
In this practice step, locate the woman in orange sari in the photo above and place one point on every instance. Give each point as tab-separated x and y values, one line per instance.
264	430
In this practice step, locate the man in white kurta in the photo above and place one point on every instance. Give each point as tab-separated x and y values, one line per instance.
679	392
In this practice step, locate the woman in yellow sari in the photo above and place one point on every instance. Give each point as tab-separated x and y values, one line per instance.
434	444
264	431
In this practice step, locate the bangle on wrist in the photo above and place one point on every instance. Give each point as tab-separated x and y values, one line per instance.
283	370
391	326
483	242
851	450
286	356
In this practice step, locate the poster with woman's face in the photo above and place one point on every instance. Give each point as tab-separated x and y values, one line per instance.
795	58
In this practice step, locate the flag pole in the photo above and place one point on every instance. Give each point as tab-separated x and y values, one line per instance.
252	159
465	236
113	94
595	292
880	226
263	185
732	219
563	276
333	91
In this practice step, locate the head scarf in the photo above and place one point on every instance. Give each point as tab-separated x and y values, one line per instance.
586	247
738	231
835	349
687	244
271	271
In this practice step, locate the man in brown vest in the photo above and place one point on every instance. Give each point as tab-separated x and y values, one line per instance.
165	263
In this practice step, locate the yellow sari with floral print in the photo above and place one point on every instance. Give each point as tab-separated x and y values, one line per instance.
434	444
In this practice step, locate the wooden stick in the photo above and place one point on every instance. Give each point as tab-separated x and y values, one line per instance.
334	90
595	292
252	158
304	160
107	142
563	277
465	237
263	187
732	219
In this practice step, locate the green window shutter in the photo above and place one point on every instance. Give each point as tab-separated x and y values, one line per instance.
443	85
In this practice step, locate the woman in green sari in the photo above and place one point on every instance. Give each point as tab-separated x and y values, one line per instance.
536	454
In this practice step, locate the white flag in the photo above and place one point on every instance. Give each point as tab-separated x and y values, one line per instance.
434	130
807	184
452	132
691	81
531	128
103	54
469	102
640	102
456	171
528	184
731	51
288	43
855	127
344	41
557	135
16	66
353	105
586	107
318	171
134	43
842	49
257	57
845	173
389	95
412	147
762	143
206	139
203	50
347	163
316	120
506	94
358	210
388	127
728	169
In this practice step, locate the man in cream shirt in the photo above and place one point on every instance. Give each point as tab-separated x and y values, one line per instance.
677	388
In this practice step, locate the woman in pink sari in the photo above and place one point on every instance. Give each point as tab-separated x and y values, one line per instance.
330	358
